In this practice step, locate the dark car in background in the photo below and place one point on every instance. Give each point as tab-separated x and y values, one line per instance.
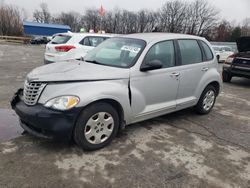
238	64
40	40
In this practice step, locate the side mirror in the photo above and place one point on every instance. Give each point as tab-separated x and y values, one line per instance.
151	65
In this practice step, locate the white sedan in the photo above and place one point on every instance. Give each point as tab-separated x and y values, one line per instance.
70	46
223	52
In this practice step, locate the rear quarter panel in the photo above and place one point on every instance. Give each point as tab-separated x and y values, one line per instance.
212	75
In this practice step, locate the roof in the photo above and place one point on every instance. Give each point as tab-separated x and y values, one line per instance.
36	24
87	34
220	46
149	37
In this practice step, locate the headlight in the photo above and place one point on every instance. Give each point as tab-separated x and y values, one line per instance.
62	102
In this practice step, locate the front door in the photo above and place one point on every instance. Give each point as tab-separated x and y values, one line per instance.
153	93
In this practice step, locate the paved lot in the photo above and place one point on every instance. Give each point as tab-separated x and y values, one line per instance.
177	150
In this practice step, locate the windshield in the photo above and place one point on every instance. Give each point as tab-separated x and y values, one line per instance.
117	52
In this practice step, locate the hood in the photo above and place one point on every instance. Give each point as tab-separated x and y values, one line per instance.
76	71
243	44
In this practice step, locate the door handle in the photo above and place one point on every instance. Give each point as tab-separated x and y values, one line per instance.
175	74
204	69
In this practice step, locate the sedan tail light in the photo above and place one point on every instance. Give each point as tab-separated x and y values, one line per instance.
230	59
65	48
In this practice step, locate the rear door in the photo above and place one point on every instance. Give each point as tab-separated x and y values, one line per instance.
193	66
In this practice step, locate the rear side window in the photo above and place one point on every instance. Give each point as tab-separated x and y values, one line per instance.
60	39
92	41
227	49
190	52
164	52
207	50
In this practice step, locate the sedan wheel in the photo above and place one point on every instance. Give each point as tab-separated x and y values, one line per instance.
99	128
96	126
208	100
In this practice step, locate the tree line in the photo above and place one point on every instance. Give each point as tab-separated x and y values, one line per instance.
176	16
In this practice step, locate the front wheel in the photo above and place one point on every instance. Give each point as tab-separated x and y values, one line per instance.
206	101
226	77
96	126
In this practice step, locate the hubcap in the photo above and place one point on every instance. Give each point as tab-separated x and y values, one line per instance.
99	128
208	100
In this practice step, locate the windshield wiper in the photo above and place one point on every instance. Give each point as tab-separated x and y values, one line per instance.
93	61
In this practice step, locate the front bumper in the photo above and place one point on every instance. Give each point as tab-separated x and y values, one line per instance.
43	122
237	71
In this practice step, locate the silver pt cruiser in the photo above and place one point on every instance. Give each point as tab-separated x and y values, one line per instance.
123	81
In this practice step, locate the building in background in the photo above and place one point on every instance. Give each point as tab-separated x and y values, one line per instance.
41	29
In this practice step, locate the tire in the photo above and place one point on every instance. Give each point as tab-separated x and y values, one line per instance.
96	126
206	101
226	77
218	58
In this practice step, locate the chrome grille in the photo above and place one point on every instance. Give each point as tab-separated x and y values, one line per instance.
32	91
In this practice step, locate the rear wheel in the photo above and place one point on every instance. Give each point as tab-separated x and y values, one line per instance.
96	126
206	101
226	77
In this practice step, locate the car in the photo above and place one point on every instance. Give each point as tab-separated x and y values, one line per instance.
124	80
39	40
238	64
223	52
69	46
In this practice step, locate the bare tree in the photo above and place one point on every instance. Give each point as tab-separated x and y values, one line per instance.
43	15
10	20
172	16
72	19
146	21
91	19
245	30
202	17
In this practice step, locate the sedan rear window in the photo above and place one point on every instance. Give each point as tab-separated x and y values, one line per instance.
60	39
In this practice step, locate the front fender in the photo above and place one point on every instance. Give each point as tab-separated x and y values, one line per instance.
91	91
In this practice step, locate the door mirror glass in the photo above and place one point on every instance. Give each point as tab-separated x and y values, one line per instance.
151	65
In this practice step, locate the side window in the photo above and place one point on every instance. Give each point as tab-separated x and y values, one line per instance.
207	50
227	49
85	41
95	41
164	52
190	52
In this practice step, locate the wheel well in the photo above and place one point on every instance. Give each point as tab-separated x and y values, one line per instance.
116	105
216	85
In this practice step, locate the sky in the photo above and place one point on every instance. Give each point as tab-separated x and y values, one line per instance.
231	10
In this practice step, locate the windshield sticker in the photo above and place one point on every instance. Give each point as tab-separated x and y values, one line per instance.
131	49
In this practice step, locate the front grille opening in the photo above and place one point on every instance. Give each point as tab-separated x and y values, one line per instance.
32	91
38	130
